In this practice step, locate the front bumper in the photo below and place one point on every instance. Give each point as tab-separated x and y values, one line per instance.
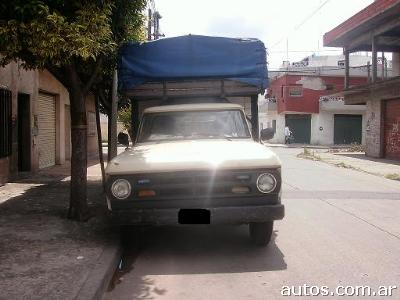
218	215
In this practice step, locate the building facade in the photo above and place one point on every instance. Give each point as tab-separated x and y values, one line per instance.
304	99
375	29
35	130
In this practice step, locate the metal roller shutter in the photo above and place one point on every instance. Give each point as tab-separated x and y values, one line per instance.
392	129
347	129
47	130
300	126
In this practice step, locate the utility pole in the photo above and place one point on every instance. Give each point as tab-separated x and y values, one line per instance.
157	17
149	21
114	112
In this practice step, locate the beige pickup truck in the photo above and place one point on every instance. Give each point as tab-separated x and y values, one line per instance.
197	164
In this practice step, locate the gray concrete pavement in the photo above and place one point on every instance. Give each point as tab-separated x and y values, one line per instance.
341	228
357	160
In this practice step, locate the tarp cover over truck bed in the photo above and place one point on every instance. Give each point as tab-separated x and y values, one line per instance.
193	57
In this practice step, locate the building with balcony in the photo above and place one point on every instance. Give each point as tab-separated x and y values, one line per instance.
375	29
303	97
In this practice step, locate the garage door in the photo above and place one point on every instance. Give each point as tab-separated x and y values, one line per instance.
392	129
347	129
300	126
47	130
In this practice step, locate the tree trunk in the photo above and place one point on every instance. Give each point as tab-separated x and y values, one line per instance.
78	208
109	137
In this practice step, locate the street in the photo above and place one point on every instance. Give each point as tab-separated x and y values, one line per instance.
341	229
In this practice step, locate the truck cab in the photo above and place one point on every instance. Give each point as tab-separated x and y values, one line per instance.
196	164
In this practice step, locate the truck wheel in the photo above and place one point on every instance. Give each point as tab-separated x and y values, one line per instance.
261	233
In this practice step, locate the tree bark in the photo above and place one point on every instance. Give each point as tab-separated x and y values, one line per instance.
78	208
109	137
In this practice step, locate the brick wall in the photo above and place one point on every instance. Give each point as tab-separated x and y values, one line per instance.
362	16
373	128
313	87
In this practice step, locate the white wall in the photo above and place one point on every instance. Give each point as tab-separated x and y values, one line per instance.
325	119
265	120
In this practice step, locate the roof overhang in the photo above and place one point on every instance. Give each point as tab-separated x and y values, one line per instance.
381	19
387	89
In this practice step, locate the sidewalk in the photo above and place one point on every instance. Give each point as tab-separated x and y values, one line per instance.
302	146
44	255
358	161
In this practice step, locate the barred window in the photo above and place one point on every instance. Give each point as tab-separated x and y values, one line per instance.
5	122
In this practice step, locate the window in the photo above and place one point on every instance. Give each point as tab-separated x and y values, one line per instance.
181	125
5	123
330	87
295	91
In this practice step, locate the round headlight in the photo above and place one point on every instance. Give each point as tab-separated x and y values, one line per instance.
266	183
121	189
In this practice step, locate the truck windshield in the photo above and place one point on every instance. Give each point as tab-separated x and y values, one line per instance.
182	125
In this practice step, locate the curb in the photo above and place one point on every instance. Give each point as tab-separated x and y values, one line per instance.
296	146
101	274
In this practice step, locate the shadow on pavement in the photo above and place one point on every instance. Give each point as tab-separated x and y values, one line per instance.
200	249
40	247
187	250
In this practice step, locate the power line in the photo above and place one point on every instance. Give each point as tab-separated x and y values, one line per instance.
301	23
311	15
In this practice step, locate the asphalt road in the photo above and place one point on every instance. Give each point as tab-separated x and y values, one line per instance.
342	228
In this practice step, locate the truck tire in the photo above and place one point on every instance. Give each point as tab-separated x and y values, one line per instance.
261	233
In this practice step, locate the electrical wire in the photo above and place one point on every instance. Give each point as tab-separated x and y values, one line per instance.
301	23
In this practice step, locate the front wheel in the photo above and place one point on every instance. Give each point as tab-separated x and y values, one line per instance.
261	233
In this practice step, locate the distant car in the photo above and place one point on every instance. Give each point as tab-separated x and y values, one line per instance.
197	163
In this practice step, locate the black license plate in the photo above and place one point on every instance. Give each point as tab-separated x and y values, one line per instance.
194	216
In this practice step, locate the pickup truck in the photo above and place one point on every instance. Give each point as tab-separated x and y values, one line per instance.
197	164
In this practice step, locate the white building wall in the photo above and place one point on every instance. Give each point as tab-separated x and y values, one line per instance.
266	121
325	120
322	126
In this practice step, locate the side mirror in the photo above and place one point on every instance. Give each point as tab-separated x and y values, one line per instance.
123	139
267	134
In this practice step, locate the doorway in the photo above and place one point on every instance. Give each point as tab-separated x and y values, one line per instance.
300	126
24	133
347	129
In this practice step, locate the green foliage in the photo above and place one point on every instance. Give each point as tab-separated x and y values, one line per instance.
124	116
77	41
53	32
48	37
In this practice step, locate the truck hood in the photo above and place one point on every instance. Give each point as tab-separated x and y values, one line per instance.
193	155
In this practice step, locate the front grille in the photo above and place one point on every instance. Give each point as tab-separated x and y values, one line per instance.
198	184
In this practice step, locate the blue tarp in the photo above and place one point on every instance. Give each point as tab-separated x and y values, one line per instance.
193	57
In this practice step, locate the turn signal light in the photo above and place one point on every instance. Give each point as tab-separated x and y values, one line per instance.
240	190
146	193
